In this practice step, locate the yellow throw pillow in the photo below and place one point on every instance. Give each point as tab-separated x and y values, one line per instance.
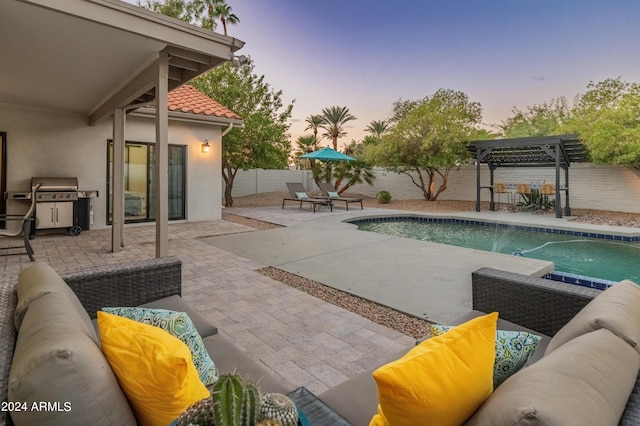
442	381
154	368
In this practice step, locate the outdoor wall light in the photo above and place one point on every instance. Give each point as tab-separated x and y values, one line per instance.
206	148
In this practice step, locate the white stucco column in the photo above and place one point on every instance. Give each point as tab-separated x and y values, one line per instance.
162	155
117	200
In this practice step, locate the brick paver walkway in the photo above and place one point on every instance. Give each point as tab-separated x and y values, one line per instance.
305	341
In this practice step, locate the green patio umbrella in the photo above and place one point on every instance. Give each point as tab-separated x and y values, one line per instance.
327	154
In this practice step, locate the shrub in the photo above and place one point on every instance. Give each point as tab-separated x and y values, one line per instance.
383	197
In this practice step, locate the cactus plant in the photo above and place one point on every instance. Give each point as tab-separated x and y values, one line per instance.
233	403
279	407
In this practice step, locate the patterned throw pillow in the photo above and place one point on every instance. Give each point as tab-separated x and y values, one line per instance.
333	194
513	349
177	324
301	195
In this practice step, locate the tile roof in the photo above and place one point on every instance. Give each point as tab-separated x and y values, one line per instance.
188	99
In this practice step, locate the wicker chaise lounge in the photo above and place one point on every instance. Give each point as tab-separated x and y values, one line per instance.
327	187
299	194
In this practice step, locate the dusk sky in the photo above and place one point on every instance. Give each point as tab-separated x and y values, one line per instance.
366	54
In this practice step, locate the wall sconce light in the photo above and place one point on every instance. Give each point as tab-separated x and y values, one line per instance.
206	148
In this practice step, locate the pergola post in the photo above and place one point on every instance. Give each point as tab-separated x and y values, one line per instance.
558	199
567	207
478	162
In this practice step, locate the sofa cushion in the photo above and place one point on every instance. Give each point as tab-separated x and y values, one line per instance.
615	309
179	325
39	279
513	349
153	367
442	381
177	303
586	381
356	399
231	359
57	360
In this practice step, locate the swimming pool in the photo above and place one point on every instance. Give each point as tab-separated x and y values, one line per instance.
606	257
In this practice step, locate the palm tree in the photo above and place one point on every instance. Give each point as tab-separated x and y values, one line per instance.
223	12
333	119
313	123
210	10
377	128
306	144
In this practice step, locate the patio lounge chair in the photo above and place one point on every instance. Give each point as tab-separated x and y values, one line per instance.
329	191
298	193
24	229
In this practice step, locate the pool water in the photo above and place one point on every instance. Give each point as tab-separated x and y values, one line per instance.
593	257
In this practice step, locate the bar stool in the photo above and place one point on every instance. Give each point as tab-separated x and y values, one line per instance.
500	188
523	189
548	189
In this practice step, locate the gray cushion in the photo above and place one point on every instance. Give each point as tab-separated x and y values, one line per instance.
586	381
615	309
230	359
355	399
57	360
176	303
39	279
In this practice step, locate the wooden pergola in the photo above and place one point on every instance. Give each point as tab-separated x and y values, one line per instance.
557	151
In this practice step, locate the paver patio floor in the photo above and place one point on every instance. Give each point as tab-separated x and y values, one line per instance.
303	340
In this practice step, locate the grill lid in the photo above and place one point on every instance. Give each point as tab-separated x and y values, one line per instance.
59	184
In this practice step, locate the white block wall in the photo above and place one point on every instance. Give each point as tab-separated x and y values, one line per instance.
614	188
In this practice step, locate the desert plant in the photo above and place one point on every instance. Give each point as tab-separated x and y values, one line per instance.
279	408
383	197
233	403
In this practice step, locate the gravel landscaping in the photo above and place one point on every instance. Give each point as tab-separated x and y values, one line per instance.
401	322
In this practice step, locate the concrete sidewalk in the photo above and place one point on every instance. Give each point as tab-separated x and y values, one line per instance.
424	279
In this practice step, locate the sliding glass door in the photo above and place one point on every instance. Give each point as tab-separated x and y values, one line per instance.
139	202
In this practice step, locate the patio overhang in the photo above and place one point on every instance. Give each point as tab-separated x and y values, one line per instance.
102	59
557	151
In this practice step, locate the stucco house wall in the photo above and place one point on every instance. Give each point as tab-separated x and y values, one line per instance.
52	143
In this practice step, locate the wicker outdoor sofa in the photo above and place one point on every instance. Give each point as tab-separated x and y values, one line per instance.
154	283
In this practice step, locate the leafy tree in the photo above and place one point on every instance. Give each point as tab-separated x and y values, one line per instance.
549	118
429	139
334	118
377	128
263	142
607	117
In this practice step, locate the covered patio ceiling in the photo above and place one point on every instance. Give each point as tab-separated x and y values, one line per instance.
557	151
87	56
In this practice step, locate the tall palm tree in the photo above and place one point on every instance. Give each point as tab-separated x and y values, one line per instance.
377	128
335	118
313	123
223	12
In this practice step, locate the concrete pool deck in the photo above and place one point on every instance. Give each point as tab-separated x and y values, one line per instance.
428	280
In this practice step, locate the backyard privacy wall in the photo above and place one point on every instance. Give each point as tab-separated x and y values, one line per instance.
615	188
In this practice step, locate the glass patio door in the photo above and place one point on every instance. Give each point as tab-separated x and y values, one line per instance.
139	186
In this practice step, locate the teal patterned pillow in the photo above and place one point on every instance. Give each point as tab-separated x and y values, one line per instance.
302	196
513	349
178	324
333	194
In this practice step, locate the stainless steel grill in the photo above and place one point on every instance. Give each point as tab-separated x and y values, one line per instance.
55	189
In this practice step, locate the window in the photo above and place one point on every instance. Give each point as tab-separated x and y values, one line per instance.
139	194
